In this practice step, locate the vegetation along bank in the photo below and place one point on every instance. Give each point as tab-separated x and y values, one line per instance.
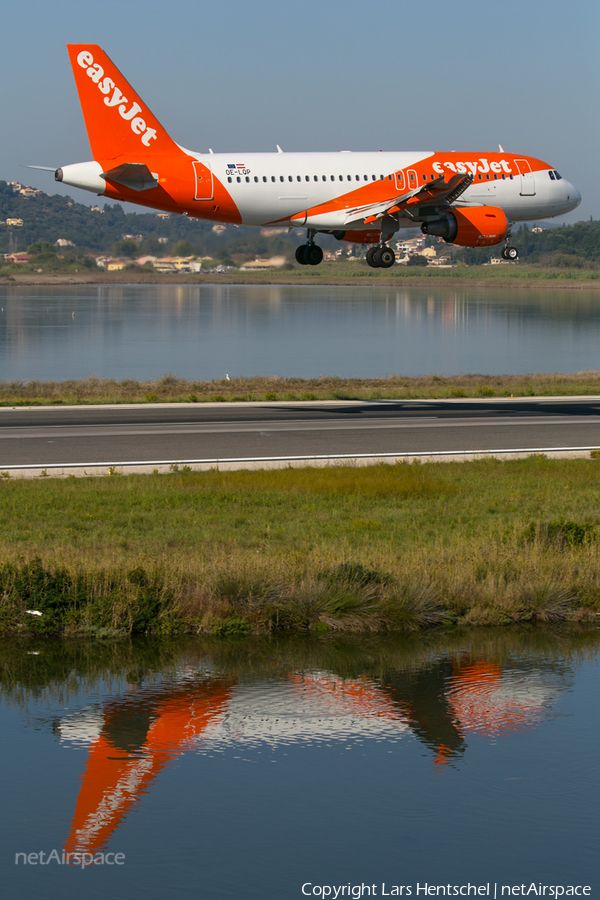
171	389
384	548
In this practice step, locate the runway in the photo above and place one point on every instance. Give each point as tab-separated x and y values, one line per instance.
96	439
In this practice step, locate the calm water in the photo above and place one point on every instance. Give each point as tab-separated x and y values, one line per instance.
205	332
248	769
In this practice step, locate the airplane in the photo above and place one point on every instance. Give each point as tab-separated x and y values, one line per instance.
468	199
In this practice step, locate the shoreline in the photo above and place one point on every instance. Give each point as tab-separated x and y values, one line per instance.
170	389
528	280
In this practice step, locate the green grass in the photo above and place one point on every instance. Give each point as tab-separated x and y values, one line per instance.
388	546
171	389
348	271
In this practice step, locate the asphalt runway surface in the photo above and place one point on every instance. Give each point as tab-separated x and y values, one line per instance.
203	433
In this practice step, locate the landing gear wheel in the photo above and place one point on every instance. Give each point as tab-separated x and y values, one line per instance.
313	255
387	257
301	254
370	253
373	257
510	253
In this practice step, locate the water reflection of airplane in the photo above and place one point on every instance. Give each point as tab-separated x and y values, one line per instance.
137	734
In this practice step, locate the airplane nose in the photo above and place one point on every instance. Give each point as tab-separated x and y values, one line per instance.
572	195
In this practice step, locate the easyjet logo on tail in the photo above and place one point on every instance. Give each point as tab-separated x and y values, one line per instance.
105	86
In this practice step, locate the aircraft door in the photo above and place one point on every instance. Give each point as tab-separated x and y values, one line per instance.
400	180
412	179
203	178
527	177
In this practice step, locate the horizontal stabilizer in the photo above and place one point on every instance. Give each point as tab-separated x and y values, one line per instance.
136	176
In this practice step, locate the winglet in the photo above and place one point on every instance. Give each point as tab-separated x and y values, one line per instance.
119	124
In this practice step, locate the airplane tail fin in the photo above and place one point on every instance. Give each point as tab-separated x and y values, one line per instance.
120	126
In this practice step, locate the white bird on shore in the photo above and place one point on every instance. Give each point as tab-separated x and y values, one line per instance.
227	378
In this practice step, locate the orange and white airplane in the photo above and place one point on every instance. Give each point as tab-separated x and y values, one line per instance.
470	199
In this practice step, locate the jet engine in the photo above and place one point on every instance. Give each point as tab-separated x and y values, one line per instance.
477	226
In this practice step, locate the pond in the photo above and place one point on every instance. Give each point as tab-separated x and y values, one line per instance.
207	331
276	768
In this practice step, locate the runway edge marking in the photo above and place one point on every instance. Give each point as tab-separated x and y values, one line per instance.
148	467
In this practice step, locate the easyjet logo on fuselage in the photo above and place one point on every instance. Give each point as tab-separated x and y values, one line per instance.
478	166
105	86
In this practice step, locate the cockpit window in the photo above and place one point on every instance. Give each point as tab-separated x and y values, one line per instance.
551	174
558	177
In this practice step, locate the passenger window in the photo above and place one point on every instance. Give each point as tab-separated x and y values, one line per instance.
366	177
558	177
239	180
349	177
389	177
298	177
256	179
373	177
290	178
511	178
551	174
324	177
488	177
341	177
381	177
273	178
424	177
495	178
247	180
281	178
480	177
357	177
503	177
230	179
333	177
307	177
265	178
316	177
433	177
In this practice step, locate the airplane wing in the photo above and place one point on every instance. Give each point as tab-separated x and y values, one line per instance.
433	194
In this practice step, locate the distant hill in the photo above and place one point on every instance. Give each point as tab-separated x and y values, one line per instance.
48	218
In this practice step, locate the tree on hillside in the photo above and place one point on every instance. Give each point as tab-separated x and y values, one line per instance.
125	248
41	248
184	248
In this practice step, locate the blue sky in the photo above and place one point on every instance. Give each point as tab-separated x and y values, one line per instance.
329	75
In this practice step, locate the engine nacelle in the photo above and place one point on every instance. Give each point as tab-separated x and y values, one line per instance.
477	226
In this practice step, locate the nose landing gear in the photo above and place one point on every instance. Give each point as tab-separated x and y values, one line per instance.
508	252
309	254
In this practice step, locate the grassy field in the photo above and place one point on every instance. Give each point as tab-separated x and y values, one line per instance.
171	389
390	547
344	272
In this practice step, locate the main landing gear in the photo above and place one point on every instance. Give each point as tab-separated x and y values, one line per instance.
508	252
309	254
381	257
